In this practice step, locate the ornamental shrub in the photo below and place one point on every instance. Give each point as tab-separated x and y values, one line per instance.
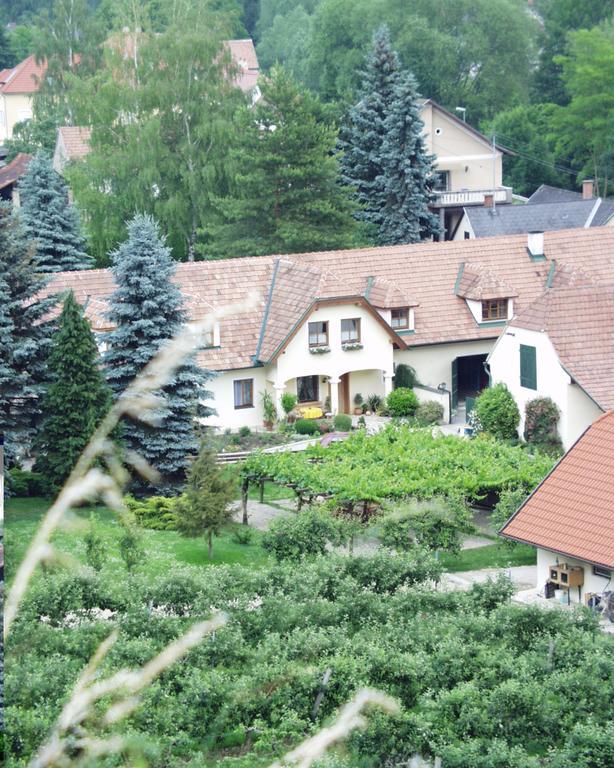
288	402
402	402
498	413
342	422
435	524
306	534
23	484
306	427
540	425
404	377
429	412
157	512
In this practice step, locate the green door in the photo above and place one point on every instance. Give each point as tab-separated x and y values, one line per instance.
455	383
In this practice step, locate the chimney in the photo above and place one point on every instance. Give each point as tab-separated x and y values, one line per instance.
535	244
587	189
489	200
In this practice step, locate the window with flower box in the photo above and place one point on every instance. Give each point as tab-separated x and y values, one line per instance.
350	331
318	333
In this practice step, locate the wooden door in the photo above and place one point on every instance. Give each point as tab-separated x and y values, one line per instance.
344	394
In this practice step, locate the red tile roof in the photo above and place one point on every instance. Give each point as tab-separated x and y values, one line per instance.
24	77
244	56
579	321
76	140
480	284
572	511
13	171
426	272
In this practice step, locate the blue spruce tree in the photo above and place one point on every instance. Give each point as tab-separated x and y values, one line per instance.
25	335
363	131
407	172
147	310
50	219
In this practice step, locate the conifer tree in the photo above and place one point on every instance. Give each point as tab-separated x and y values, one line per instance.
287	197
407	172
24	334
50	219
363	132
147	310
76	398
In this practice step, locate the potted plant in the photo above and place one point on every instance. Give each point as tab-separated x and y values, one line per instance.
288	403
374	403
358	404
269	412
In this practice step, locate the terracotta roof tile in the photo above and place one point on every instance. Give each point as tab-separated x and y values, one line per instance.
76	140
384	294
244	55
480	284
572	511
24	77
579	321
427	272
14	170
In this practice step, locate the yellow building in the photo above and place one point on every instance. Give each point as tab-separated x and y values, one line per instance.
17	88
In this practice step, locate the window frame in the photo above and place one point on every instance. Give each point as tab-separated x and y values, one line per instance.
354	339
242	382
398	327
602	572
528	379
318	334
316	380
502	310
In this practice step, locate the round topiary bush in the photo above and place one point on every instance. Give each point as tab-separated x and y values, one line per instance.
402	402
497	412
429	412
307	427
342	422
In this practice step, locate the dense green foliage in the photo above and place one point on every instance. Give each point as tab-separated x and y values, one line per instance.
205	506
342	422
405	376
25	335
479	682
436	524
285	196
306	534
50	221
146	310
429	412
541	418
402	402
306	427
509	501
400	461
497	412
22	484
156	512
75	399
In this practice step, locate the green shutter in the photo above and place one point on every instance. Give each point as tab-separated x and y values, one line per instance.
454	382
528	367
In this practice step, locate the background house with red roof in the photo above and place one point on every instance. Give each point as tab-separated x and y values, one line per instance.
17	88
569	517
332	324
561	346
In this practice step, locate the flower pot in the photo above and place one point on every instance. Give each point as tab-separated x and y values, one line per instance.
358	411
268	425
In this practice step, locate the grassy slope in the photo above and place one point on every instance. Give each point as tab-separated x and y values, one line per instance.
162	548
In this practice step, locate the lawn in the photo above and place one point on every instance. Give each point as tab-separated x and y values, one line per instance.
499	555
163	549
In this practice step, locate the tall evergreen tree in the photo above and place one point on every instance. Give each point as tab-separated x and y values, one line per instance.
147	310
50	219
287	196
363	132
75	400
24	334
407	172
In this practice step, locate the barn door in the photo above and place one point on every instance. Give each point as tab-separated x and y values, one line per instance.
455	383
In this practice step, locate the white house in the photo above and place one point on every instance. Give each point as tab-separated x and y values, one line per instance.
569	517
17	88
562	347
336	323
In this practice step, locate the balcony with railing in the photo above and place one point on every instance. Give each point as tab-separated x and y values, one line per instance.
465	197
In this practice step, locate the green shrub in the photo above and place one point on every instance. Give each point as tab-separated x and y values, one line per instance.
437	524
95	550
306	427
324	426
288	402
242	535
497	412
342	422
305	534
429	412
540	425
24	484
404	377
244	432
402	402
374	403
130	544
509	501
157	512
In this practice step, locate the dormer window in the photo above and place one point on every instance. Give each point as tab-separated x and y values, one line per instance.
494	309
318	333
399	318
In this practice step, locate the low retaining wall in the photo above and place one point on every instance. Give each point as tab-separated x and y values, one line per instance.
424	393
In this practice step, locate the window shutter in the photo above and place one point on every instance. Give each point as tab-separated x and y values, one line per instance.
528	367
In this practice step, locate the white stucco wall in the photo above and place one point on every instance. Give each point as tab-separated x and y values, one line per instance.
443	398
433	363
222	387
577	410
377	352
15	108
592	583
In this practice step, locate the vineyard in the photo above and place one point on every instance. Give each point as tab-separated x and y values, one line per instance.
400	462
